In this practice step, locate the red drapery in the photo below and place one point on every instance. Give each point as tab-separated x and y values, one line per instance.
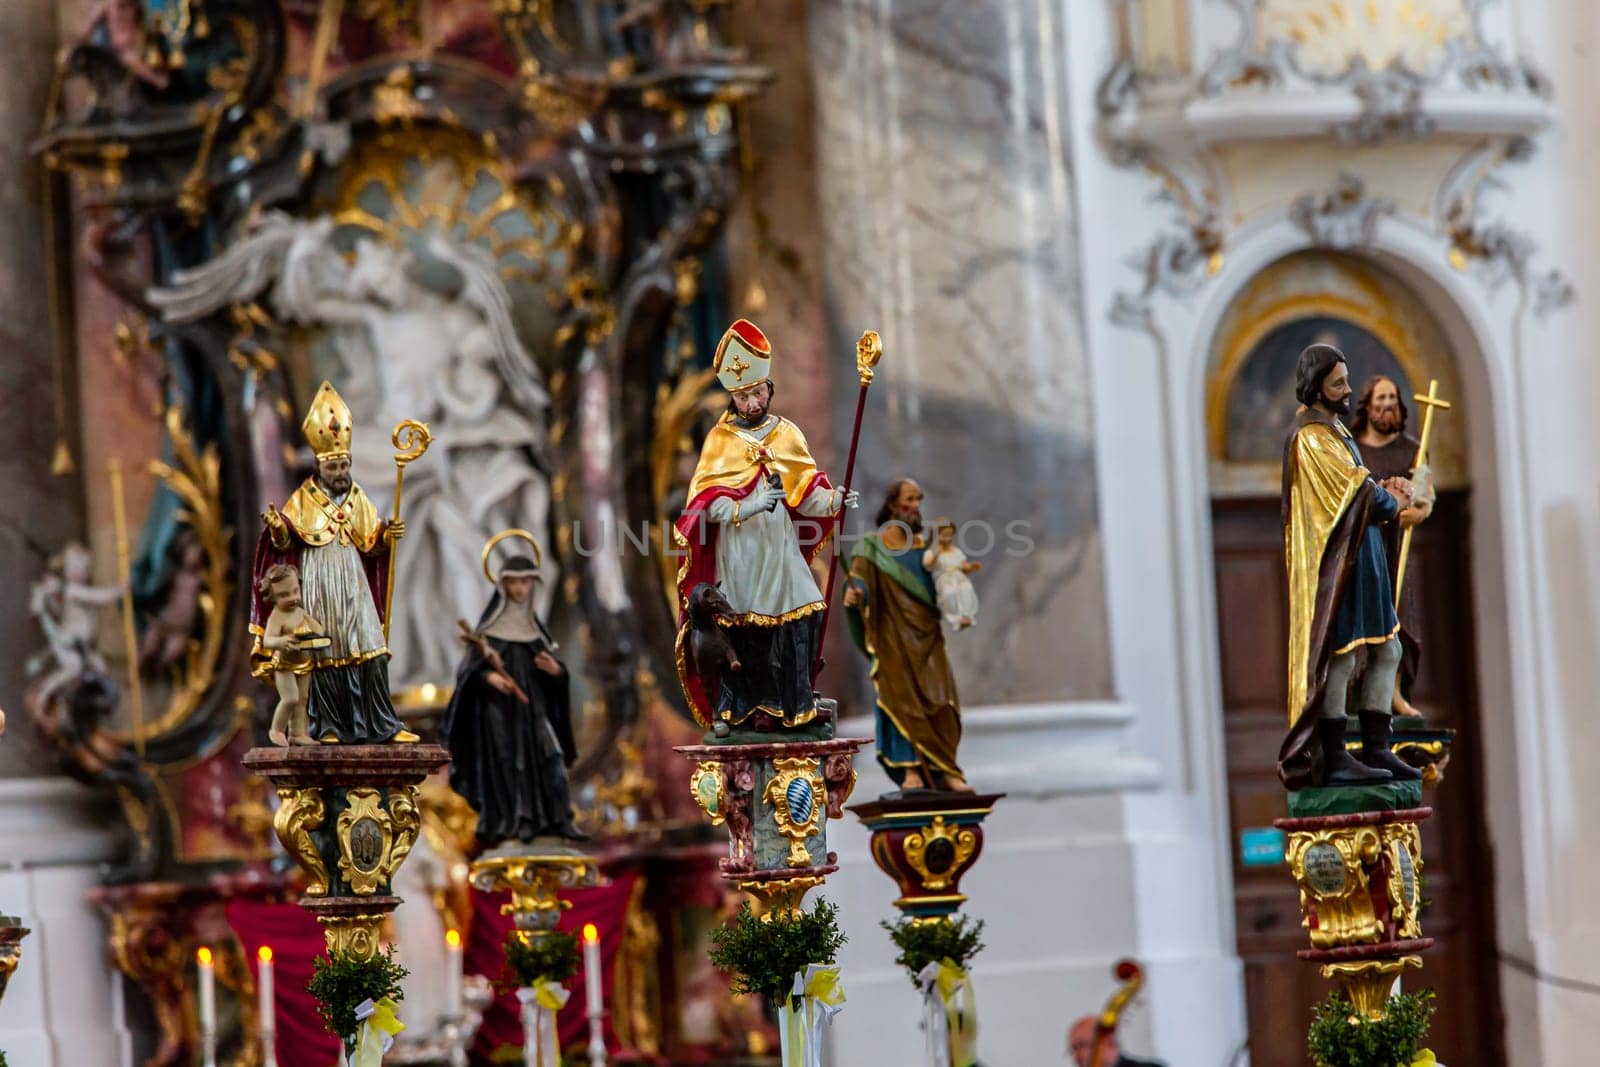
606	906
295	939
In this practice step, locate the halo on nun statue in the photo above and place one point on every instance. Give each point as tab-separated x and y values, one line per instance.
490	545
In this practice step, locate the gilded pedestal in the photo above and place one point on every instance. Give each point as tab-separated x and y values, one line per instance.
775	800
926	842
11	934
1360	879
534	874
348	815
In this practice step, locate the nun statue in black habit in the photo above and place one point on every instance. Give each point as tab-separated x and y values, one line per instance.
509	723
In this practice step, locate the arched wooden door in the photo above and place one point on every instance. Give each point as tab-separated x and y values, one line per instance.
1318	296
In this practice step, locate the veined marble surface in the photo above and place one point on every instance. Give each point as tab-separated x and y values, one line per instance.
946	200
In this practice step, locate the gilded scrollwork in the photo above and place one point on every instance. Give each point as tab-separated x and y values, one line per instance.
366	839
926	851
407	822
355	936
707	788
797	794
300	811
1333	869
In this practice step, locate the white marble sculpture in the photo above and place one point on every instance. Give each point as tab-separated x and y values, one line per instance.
67	608
445	353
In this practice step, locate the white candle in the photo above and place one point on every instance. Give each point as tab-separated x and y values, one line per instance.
452	981
208	1005
266	1007
594	993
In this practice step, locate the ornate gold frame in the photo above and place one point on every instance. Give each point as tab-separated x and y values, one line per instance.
790	769
1345	915
962	839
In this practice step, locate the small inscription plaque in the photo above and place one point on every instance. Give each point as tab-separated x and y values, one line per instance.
1325	868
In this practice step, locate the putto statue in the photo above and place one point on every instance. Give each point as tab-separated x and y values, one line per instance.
755	518
331	533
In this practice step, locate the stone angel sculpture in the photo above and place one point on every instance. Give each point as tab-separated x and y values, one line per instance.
430	337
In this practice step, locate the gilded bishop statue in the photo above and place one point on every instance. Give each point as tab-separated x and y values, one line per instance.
757	513
331	533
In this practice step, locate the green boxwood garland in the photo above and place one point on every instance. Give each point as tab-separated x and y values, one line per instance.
340	984
1334	1041
922	942
541	957
763	955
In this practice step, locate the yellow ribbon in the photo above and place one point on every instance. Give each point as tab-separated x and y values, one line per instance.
540	1003
952	1027
1425	1058
817	996
379	1024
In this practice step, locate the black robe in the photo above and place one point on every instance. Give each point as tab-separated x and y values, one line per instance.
509	760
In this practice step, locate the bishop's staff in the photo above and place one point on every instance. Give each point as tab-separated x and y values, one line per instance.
412	439
869	350
1428	402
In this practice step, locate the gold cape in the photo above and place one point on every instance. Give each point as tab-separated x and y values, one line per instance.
898	627
317	520
1323	483
731	458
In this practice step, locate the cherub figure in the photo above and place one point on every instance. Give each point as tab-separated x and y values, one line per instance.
958	601
170	628
68	609
290	635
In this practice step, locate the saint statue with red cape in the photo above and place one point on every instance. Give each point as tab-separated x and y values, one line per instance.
758	512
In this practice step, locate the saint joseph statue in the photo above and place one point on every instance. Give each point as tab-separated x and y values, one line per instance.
331	532
895	620
754	520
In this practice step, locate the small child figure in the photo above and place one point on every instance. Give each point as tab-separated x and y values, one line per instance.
958	601
290	636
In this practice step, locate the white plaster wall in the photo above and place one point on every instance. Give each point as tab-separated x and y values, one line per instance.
1532	385
1553	198
1112	842
63	1007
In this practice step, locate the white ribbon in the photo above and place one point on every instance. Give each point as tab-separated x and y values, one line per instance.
372	1042
820	998
540	1003
935	1027
949	1015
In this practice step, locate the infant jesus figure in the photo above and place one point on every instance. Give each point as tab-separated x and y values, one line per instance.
949	567
291	634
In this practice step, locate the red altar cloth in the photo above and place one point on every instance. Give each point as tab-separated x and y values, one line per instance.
606	906
295	939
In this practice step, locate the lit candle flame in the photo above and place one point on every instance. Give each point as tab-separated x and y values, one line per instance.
452	938
264	953
591	933
203	956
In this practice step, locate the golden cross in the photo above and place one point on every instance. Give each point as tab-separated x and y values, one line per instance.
1429	402
738	366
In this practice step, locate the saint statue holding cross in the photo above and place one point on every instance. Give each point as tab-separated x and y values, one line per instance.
1341	596
1379	426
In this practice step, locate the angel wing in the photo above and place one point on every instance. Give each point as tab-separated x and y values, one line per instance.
292	256
486	294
